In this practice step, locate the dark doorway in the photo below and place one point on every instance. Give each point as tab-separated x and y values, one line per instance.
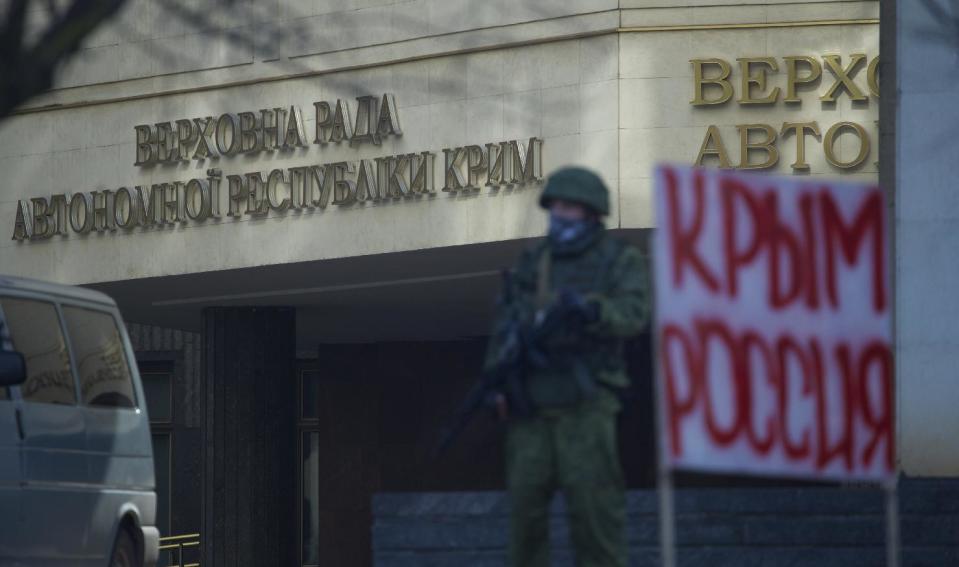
370	414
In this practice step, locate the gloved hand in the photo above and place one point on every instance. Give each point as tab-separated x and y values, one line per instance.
575	302
502	406
496	402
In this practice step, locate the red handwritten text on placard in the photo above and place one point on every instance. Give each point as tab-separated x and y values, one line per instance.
844	240
773	325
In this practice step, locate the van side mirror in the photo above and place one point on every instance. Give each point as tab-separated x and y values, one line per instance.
13	368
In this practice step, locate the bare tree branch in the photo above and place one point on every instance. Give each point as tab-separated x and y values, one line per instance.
29	66
11	37
29	70
52	10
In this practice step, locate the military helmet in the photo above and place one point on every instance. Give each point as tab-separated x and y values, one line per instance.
579	186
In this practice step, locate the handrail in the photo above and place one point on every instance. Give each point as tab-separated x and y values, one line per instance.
177	537
178	542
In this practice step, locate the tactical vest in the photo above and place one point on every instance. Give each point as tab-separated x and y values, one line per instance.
577	362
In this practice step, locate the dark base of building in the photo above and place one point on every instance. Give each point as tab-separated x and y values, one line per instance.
808	526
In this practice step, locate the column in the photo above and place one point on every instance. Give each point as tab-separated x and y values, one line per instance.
249	445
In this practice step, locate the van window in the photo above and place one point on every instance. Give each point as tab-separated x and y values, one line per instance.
35	332
101	361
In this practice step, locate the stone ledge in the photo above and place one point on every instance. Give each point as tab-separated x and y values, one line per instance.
719	527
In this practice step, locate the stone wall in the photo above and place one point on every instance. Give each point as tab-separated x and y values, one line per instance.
717	527
604	84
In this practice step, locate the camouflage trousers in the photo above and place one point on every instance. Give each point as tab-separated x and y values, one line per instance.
573	451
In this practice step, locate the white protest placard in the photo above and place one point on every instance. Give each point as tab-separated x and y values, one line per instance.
772	328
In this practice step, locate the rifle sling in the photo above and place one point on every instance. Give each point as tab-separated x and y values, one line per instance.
543	274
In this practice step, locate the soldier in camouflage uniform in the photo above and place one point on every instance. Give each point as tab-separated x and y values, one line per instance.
569	443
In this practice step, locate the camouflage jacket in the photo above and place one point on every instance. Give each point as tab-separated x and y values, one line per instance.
608	272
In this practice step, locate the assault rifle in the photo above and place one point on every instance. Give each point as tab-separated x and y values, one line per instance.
520	351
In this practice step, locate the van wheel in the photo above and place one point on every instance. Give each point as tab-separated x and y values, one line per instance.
125	551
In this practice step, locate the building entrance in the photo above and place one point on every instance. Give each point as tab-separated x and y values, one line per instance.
369	416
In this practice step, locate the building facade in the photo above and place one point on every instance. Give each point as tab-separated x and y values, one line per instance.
302	208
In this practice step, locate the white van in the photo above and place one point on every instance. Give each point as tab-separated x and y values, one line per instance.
76	463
